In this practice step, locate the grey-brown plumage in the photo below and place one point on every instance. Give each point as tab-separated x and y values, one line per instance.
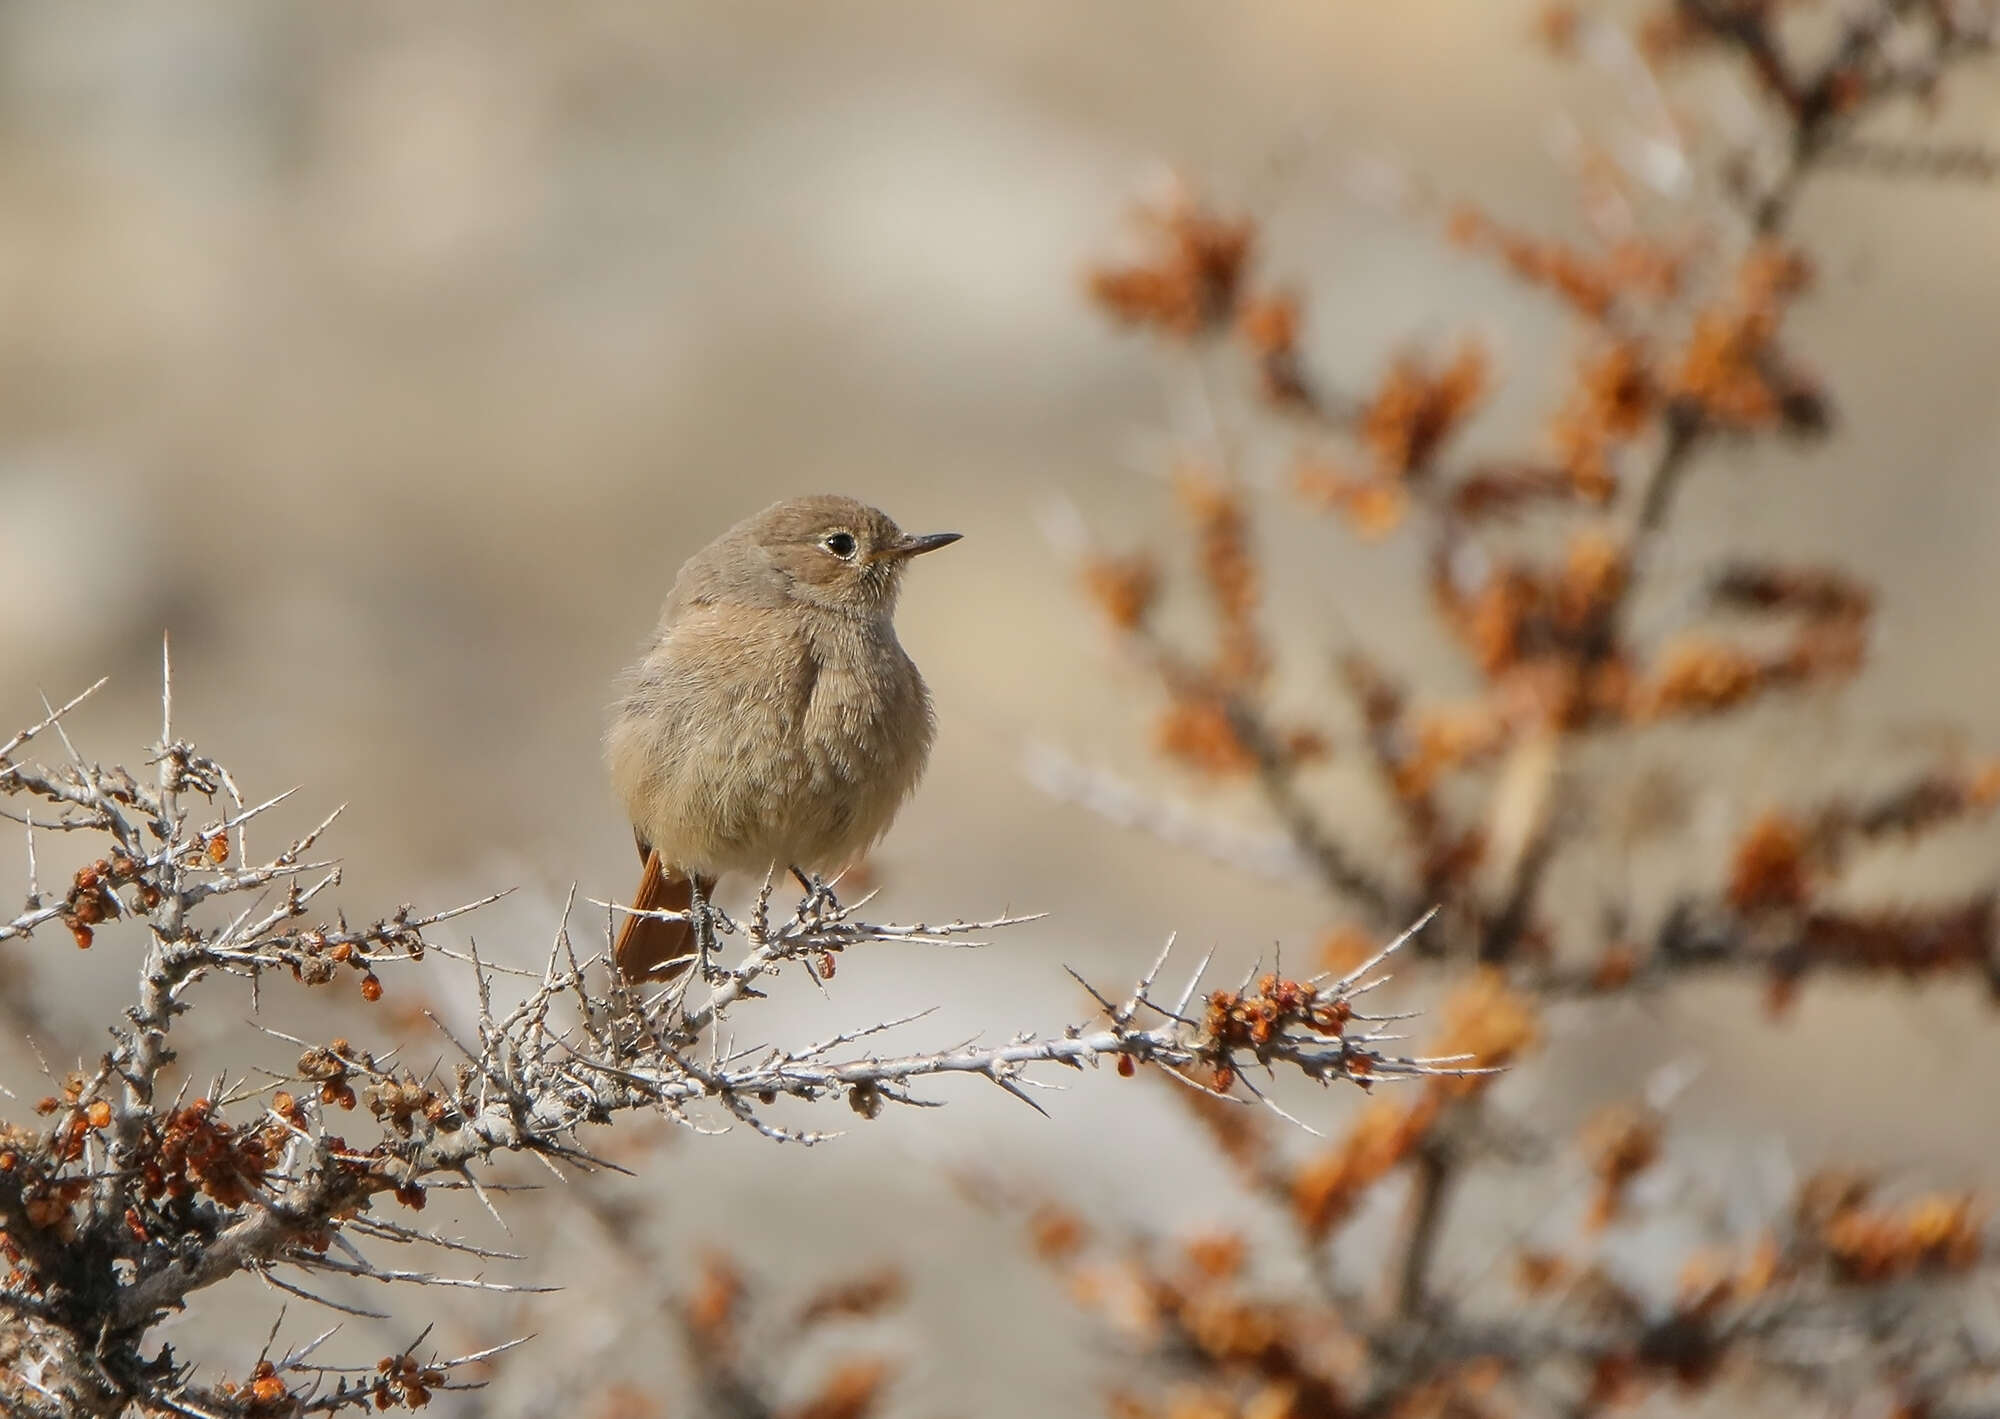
775	720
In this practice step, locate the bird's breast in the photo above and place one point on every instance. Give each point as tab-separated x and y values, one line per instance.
771	738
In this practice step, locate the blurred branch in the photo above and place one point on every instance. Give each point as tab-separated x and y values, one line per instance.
1683	353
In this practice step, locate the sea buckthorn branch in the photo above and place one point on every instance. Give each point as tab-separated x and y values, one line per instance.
129	1198
1684	353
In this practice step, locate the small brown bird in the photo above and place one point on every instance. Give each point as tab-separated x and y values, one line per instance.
775	719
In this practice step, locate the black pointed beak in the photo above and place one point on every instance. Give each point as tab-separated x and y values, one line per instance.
929	542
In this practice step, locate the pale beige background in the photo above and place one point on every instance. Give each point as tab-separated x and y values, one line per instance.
394	356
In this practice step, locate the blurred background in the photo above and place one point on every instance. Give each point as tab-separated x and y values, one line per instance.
402	353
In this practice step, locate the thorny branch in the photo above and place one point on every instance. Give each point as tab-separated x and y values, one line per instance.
123	1205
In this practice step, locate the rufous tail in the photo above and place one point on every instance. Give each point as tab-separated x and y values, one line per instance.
649	948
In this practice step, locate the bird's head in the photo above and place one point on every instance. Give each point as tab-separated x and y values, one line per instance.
838	553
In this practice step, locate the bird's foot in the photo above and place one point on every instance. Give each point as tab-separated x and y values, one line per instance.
820	902
708	921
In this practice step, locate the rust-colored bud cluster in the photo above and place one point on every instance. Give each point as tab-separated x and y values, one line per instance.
853	1390
1124	588
1189	282
1633	270
263	1394
1770	868
1783	863
398	1102
318	960
46	1196
1731	370
1490	1020
402	1383
1228	570
198	1152
1868	1244
1911	941
1325	1190
332	1067
711	1312
1415	408
1270	325
855	1298
1194	1304
1615	395
1401	427
93	895
1620	1143
1057	1233
1486	1020
1253	1020
1710	1280
80	1117
1938	1232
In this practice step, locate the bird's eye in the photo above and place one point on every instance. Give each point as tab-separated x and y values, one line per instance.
841	544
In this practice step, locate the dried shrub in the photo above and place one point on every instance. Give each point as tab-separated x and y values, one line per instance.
1685	343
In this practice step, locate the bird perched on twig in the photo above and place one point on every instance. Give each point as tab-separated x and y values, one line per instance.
774	720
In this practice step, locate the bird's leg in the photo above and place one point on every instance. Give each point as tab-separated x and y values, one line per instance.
702	915
820	900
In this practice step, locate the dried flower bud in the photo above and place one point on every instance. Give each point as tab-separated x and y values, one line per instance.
45	1212
314	970
268	1390
1057	1234
1191	282
1218	1256
1769	869
1124	588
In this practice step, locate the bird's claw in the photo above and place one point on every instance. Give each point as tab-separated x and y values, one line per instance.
820	903
708	920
